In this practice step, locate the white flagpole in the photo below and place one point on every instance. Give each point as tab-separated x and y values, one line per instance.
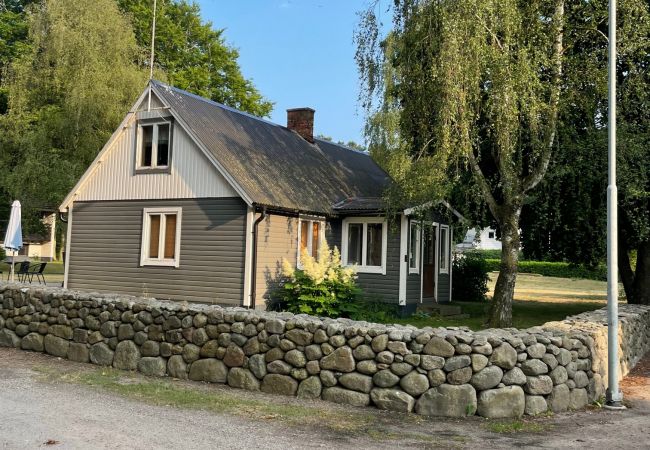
614	396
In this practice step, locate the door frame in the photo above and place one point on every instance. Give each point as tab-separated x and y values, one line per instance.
436	260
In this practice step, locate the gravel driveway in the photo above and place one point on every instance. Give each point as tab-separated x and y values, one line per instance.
36	412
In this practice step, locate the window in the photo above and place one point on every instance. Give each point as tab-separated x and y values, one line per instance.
444	249
414	248
310	236
364	244
154	143
490	234
161	233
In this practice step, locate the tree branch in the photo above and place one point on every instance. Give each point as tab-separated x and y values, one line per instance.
494	36
495	208
537	173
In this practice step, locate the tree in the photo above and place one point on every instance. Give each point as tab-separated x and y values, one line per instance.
476	88
568	220
351	144
67	94
193	55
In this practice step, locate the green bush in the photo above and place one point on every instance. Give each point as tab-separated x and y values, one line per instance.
3	254
322	287
555	269
470	277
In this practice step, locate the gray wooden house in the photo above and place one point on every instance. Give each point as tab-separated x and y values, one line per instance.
192	200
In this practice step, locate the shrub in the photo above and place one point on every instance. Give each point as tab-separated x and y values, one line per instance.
3	254
323	287
555	269
470	277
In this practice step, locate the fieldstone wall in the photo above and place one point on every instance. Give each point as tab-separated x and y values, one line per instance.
443	371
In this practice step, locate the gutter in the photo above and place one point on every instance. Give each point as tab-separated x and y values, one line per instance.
254	271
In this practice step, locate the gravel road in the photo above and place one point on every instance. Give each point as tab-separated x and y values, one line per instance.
73	416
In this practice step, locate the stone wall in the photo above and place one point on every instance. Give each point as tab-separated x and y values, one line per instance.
443	371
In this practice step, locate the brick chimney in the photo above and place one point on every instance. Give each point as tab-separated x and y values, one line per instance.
301	120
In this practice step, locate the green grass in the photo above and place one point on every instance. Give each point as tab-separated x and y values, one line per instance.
54	268
515	426
177	394
538	300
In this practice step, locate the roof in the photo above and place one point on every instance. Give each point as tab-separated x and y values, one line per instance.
360	204
273	165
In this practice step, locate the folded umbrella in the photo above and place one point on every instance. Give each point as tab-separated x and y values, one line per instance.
14	236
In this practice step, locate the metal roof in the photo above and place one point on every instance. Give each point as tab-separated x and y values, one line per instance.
273	165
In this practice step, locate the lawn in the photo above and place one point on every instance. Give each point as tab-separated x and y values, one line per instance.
538	299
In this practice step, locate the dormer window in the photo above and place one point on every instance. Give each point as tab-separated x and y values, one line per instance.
153	146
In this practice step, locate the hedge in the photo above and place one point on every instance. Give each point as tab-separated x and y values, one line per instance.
555	269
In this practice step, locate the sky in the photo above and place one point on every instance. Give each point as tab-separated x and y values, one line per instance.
298	53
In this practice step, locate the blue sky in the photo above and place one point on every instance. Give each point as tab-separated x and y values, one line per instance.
298	53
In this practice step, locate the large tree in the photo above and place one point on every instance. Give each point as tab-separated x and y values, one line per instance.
474	87
67	94
193	55
568	221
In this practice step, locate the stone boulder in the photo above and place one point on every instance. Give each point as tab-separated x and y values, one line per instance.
78	352
559	399
210	369
487	378
504	356
541	385
56	346
101	354
274	383
414	383
535	404
345	396
448	400
392	399
243	379
310	388
176	367
9	339
356	382
154	366
341	360
509	401
126	356
437	346
33	341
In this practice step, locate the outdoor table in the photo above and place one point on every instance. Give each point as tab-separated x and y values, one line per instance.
15	260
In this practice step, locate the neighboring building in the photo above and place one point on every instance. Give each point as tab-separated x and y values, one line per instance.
485	240
192	200
40	246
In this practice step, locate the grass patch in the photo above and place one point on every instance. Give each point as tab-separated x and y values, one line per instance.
162	392
516	426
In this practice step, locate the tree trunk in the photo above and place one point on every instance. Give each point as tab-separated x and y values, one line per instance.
625	269
501	308
641	294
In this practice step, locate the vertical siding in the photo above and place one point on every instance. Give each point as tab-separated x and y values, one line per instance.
105	250
192	174
277	238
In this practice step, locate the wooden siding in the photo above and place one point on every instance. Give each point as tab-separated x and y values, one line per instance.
413	288
105	250
277	238
192	174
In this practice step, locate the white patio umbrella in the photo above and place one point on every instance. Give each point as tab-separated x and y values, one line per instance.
14	236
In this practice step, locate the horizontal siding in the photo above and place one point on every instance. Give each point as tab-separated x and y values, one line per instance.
277	239
413	288
192	174
105	250
443	288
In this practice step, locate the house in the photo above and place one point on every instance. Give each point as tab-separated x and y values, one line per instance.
483	239
193	200
41	246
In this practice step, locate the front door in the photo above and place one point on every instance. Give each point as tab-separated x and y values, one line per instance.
429	264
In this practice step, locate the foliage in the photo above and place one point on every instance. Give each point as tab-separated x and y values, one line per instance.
66	96
322	287
466	97
193	55
471	276
13	44
3	254
555	269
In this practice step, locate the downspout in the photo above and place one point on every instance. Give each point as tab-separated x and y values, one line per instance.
254	271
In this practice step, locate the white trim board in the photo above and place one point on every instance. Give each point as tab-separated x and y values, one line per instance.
344	243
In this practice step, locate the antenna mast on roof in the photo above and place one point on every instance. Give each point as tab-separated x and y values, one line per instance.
153	40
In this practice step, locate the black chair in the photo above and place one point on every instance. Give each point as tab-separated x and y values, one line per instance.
37	271
23	271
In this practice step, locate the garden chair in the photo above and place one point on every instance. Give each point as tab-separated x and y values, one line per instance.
37	271
23	271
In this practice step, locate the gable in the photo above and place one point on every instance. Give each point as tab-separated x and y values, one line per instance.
192	174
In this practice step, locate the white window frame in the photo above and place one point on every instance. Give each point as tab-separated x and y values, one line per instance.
364	247
146	234
415	269
154	145
310	236
446	249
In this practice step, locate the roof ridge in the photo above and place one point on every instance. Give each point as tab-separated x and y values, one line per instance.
250	116
212	102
